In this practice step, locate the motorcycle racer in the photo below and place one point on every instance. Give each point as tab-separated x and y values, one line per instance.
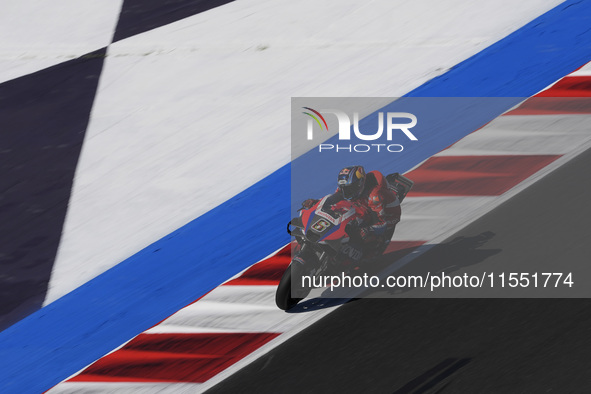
343	231
373	191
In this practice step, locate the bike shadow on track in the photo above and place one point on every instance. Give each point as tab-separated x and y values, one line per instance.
448	257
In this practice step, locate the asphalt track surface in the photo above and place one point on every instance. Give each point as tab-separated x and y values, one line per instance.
458	345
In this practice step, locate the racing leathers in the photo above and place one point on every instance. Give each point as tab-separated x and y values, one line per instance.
372	234
384	204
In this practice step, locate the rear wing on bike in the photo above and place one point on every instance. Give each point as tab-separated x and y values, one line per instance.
400	184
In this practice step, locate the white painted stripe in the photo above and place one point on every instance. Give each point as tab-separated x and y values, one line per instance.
583	71
425	218
179	329
126	388
525	135
238	308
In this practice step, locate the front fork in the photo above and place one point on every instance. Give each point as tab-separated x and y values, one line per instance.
307	259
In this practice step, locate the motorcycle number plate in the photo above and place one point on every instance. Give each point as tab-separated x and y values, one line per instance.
320	225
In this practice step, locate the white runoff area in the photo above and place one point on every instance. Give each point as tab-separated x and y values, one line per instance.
36	34
190	114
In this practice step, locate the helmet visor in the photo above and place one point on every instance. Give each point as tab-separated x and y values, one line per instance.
351	190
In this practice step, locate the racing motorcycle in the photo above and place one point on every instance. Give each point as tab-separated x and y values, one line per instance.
323	234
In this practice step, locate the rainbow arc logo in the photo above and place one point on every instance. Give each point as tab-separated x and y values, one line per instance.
314	116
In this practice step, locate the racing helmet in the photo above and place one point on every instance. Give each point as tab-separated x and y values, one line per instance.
351	181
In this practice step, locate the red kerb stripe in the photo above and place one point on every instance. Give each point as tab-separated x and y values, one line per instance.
474	175
193	358
570	95
266	272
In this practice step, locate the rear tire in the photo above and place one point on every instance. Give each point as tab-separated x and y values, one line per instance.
283	296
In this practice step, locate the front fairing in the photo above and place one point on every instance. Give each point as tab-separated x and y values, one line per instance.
322	223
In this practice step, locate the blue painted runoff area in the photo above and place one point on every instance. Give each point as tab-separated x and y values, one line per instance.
72	332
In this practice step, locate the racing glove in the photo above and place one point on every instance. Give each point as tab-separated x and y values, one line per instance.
309	203
364	233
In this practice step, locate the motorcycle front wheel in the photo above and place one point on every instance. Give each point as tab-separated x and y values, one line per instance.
284	298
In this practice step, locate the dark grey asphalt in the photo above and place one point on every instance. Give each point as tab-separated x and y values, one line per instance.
460	345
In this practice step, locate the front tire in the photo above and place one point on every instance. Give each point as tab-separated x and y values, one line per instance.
283	296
